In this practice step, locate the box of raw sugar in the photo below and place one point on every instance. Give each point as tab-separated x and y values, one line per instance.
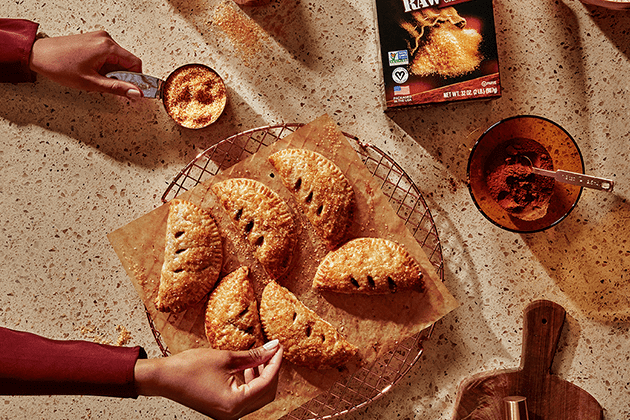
437	51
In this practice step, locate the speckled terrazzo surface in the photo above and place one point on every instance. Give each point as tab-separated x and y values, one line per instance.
76	166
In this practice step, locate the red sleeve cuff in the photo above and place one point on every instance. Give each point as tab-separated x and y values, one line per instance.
16	43
33	365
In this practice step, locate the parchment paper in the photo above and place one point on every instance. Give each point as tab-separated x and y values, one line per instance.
373	323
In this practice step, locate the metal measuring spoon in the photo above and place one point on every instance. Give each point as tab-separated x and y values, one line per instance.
574	178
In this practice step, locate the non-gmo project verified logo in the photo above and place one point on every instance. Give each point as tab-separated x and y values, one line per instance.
397	58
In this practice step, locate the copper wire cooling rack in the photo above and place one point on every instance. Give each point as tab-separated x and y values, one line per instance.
371	382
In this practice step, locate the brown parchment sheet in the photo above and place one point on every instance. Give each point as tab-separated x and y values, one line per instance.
373	323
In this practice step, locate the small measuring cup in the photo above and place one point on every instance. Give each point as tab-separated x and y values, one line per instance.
574	178
193	95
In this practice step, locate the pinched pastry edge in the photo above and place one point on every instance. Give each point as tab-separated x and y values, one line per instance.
263	218
322	191
307	339
369	266
232	321
193	256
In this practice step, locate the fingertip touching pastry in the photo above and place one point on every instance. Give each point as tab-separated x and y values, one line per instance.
263	218
321	189
232	320
306	338
193	256
369	266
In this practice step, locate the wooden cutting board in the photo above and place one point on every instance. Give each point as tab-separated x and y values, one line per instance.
548	396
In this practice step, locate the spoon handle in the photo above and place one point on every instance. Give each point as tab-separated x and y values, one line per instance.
150	86
574	178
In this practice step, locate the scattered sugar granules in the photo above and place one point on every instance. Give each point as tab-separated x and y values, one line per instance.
243	32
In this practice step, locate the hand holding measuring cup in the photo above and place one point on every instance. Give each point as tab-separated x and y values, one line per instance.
80	61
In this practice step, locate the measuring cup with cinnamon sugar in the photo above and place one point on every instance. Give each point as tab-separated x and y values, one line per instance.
193	95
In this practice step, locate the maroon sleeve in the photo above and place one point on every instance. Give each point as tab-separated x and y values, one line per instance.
34	365
16	42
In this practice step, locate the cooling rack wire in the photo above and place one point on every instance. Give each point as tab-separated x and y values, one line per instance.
370	382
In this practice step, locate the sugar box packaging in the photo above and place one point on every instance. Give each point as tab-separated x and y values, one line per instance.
436	51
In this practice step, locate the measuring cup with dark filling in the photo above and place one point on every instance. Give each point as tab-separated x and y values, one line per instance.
512	183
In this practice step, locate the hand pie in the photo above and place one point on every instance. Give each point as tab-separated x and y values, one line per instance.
263	218
193	256
370	266
321	189
307	339
232	321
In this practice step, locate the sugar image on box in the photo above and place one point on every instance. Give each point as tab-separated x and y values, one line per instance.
437	51
441	44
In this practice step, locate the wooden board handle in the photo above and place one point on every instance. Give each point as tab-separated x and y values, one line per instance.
542	325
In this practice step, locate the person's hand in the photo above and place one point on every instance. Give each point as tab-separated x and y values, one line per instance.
218	383
81	61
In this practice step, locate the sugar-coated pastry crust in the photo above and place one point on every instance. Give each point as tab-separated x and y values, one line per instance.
369	266
322	191
193	256
232	320
306	338
263	218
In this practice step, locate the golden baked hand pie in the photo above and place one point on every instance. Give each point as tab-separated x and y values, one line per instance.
307	339
263	218
193	256
369	266
232	320
321	189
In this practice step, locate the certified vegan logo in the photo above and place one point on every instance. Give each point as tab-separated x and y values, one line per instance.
400	75
397	58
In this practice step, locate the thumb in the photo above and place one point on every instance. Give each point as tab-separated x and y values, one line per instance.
255	357
116	87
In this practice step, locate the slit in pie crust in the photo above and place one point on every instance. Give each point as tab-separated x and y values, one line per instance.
369	266
263	218
320	188
193	257
232	320
307	339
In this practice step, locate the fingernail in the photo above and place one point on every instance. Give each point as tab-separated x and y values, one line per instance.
134	94
271	345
